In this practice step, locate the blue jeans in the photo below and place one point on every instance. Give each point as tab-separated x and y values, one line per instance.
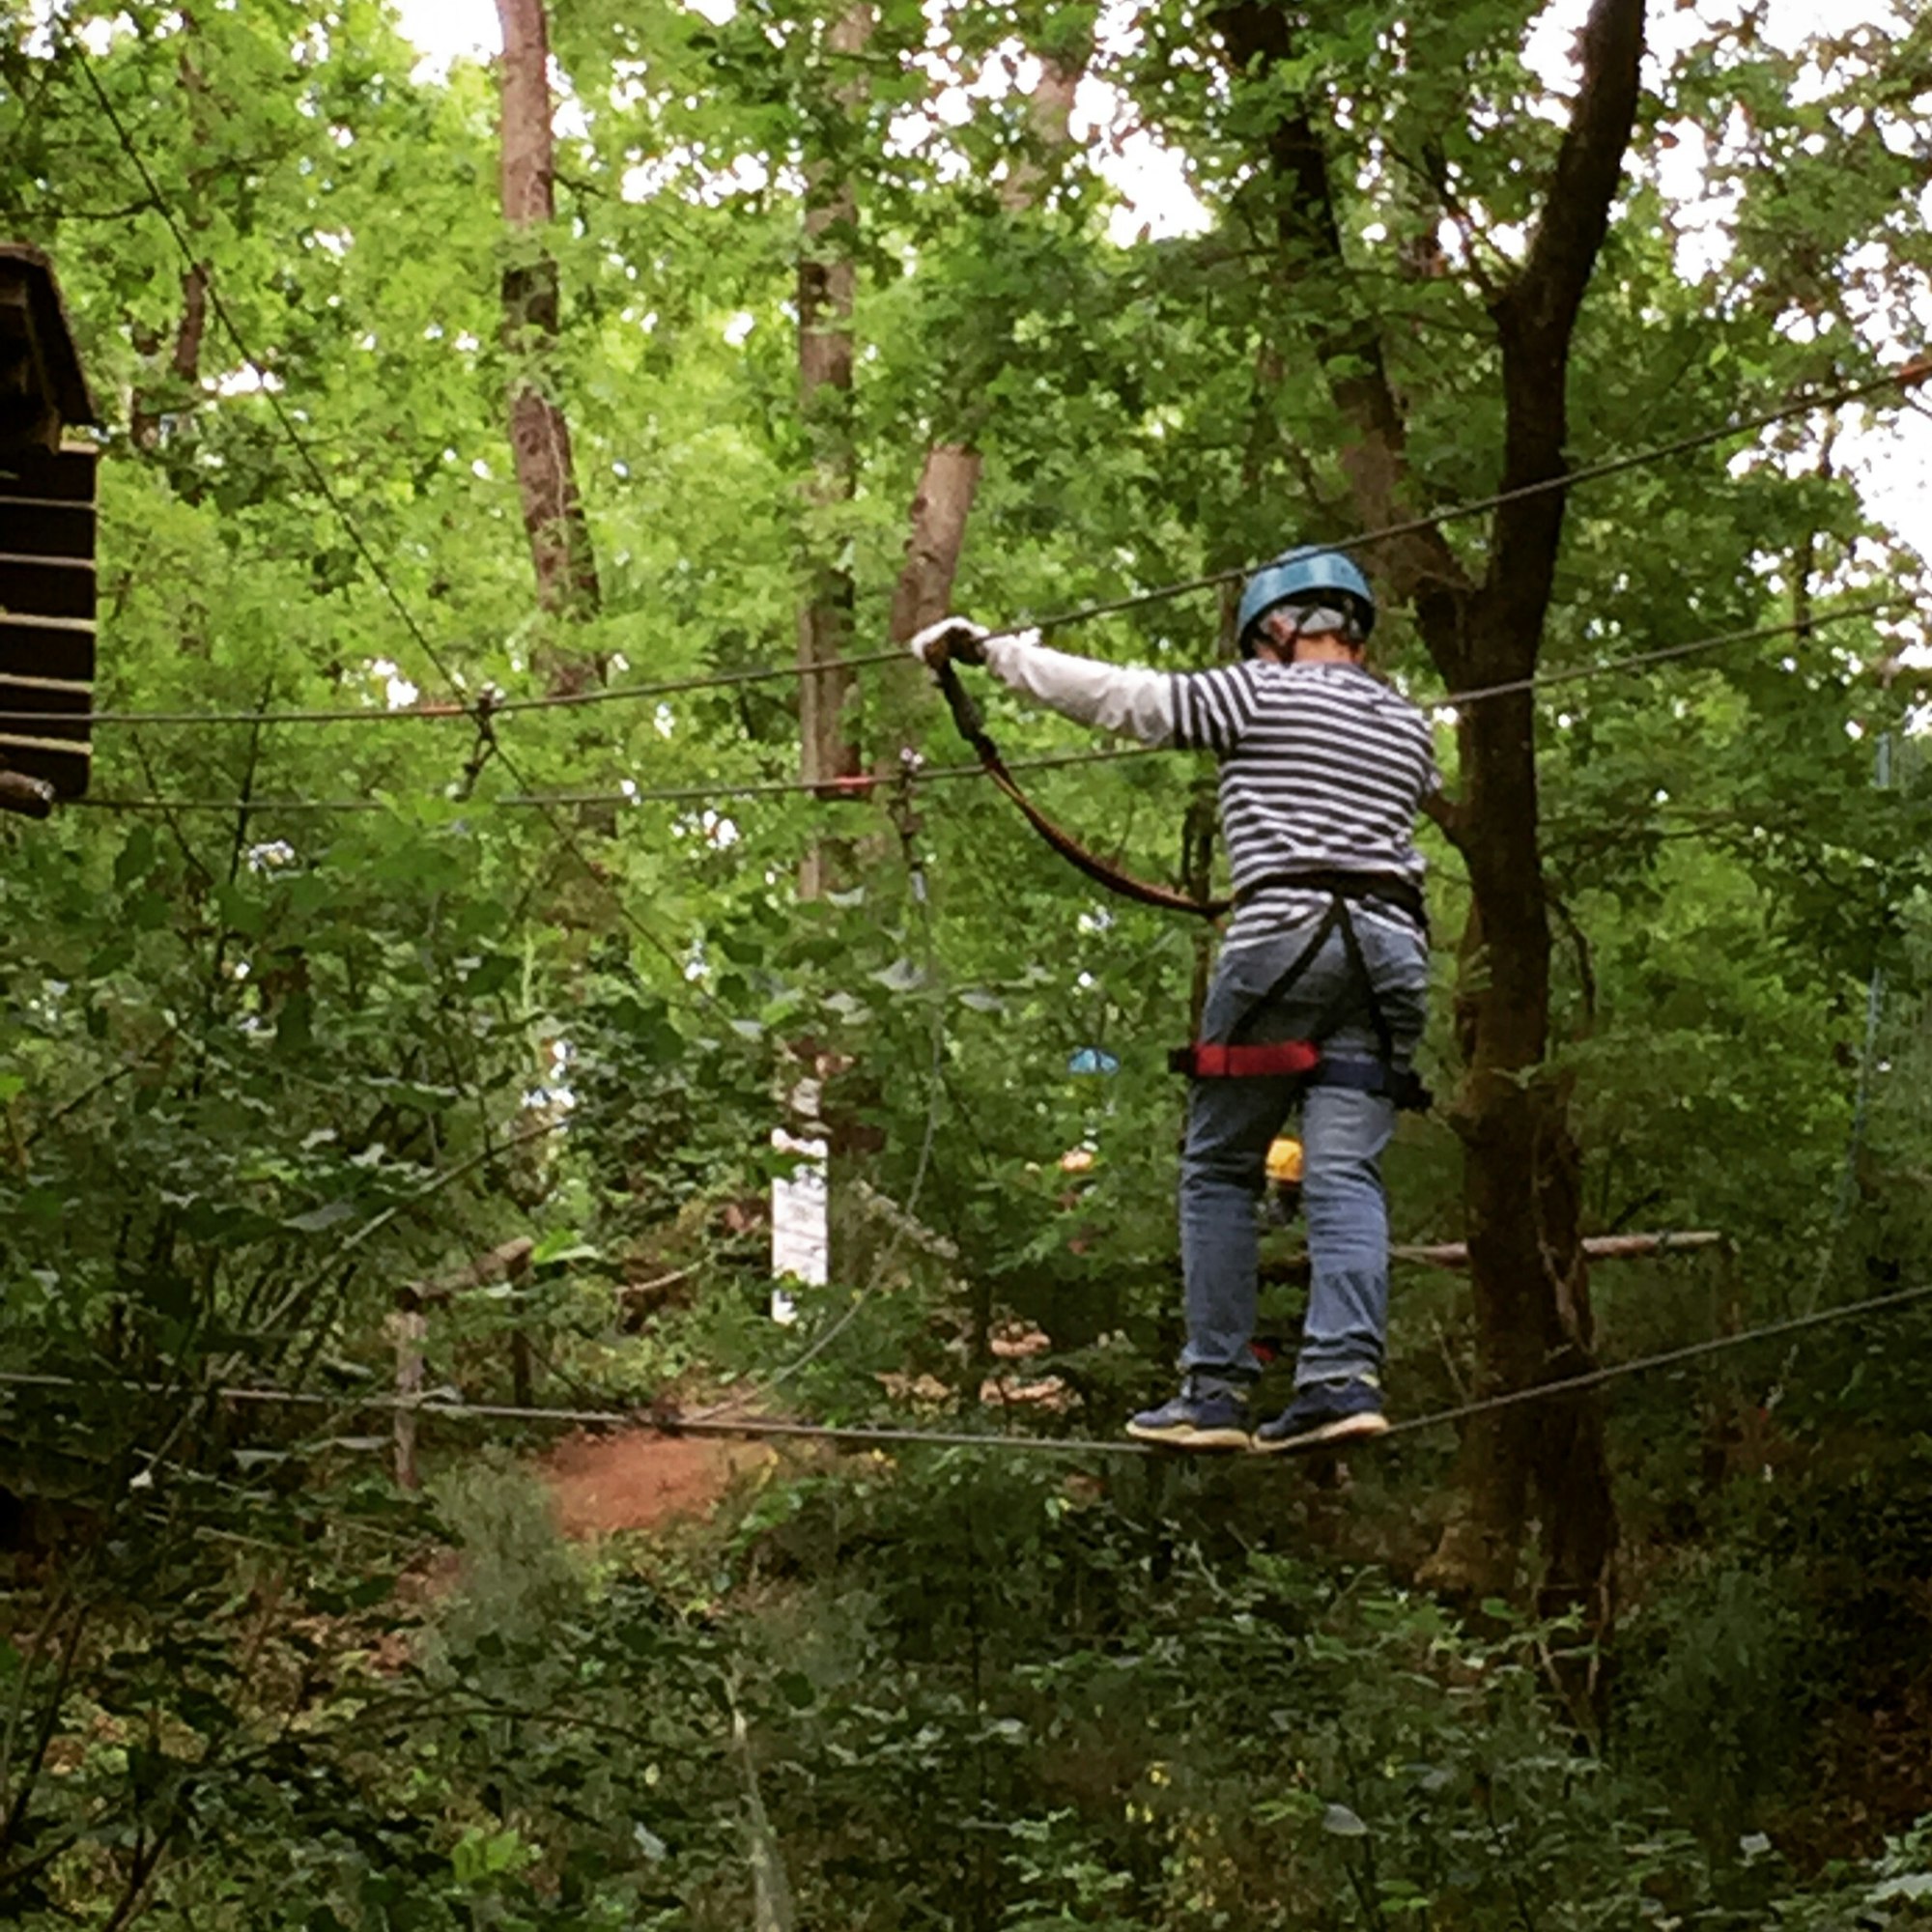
1230	1123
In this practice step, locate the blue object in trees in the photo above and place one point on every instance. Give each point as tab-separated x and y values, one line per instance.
1092	1060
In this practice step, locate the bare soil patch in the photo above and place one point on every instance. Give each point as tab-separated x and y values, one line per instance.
601	1485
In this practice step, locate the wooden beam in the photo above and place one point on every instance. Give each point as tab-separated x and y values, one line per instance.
508	1262
1597	1247
41	388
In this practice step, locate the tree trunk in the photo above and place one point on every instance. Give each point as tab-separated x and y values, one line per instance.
1521	1163
941	505
949	479
1523	1166
943	502
144	418
827	284
1522	1193
559	534
1049	121
181	388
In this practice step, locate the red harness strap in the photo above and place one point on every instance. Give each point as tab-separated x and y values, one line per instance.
1208	1060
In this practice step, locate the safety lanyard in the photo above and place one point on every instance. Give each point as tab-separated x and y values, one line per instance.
1103	872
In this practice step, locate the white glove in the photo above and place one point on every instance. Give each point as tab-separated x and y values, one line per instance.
957	639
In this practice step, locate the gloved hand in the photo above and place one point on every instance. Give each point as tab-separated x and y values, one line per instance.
957	639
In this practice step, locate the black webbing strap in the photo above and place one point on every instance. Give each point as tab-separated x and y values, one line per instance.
973	728
1302	1059
1290	976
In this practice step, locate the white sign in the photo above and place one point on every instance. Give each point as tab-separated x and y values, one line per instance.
801	1231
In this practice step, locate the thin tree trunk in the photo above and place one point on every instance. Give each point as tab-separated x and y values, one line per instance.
1049	121
410	1328
144	419
948	481
827	286
942	504
559	534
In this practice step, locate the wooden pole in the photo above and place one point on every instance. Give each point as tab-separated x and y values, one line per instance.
411	1327
1598	1247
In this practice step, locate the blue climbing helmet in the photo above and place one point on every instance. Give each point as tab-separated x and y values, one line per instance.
1300	575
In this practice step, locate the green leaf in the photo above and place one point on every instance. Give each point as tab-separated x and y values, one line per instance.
318	1220
560	1244
1342	1823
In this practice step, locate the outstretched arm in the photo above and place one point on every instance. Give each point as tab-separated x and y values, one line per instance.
1110	697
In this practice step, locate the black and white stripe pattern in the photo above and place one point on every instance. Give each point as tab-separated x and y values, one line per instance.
1321	767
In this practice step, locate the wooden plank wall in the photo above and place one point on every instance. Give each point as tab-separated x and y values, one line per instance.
46	616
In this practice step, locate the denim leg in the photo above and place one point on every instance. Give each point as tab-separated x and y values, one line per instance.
1344	1134
1223	1171
1229	1123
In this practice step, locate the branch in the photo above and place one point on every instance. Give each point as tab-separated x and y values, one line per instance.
1586	972
1447	817
30	797
1347	342
1536	317
1431	170
1545	298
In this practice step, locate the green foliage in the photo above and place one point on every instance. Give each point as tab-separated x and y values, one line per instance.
261	1066
1727	1704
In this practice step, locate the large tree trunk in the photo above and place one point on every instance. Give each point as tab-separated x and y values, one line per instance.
559	534
1522	1165
1521	1189
1521	1162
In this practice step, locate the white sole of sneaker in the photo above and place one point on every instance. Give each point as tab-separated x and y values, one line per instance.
1344	1429
1193	1438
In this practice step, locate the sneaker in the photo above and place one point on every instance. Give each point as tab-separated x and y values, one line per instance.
1323	1413
1211	1419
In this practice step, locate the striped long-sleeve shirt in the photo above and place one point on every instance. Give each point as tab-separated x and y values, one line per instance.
1323	766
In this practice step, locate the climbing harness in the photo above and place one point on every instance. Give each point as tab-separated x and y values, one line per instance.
1103	872
1238	1059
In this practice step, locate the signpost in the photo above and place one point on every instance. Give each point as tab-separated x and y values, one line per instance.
801	1207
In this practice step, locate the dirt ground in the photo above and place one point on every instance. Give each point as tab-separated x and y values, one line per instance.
636	1480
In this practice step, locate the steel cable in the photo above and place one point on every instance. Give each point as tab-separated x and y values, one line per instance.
670	1424
864	784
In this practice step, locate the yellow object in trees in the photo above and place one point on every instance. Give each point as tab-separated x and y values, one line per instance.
1285	1161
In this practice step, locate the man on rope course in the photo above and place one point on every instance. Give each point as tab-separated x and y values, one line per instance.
1319	996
